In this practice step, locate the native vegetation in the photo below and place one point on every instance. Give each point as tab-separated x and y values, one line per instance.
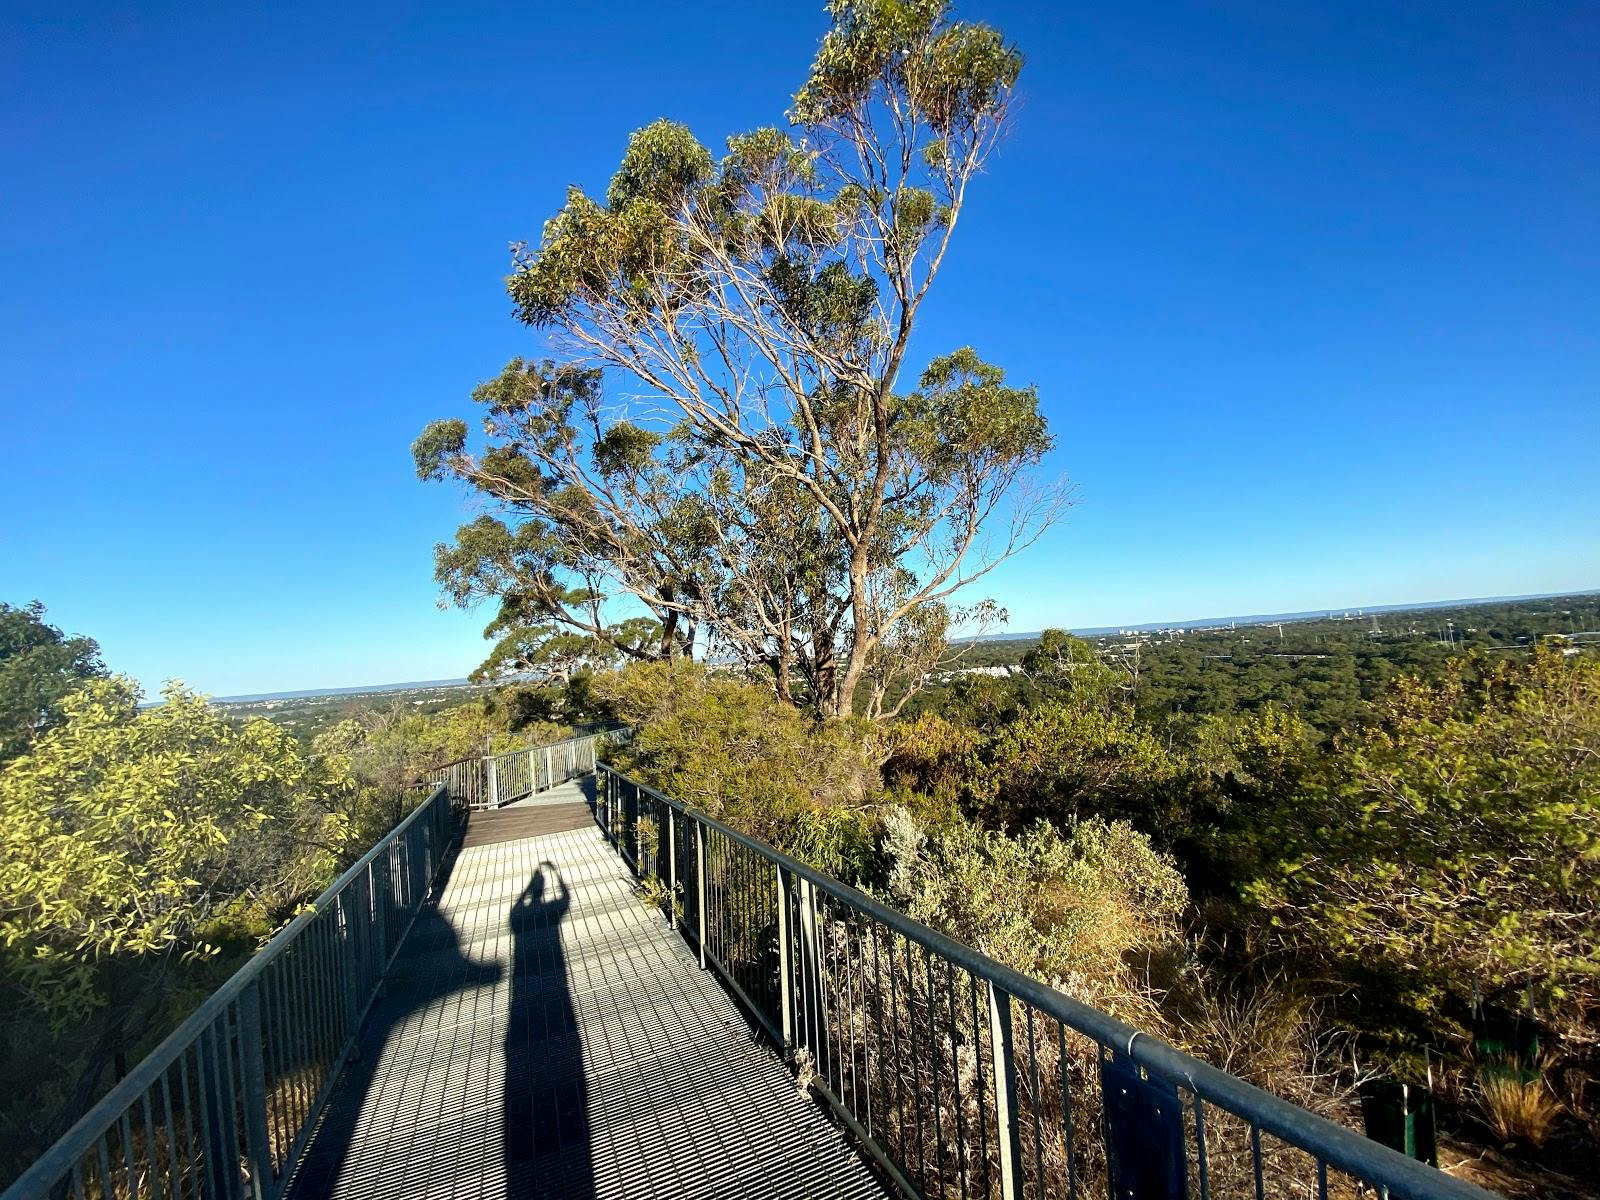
149	849
1305	911
731	444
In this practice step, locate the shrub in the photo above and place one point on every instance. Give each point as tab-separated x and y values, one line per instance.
1061	762
730	749
1458	842
934	757
1079	908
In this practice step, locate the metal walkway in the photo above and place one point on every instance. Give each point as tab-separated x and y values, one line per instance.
545	1035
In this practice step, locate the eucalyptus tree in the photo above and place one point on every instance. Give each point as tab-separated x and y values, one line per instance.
731	442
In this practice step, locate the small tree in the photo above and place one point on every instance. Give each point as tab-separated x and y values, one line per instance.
1063	762
130	837
126	829
39	665
758	479
1068	667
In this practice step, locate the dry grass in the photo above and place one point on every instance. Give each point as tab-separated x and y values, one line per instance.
1518	1109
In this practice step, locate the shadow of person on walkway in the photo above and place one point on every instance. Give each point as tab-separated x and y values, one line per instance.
546	1138
429	968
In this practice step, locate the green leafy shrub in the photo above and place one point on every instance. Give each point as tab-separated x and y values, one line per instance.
730	749
1078	908
1063	761
1454	847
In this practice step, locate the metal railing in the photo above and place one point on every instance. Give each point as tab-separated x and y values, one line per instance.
498	779
222	1108
960	1076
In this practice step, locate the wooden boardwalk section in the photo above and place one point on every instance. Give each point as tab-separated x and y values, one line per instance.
546	1035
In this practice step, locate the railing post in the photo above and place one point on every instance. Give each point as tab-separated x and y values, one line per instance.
378	885
494	782
549	769
672	869
1005	1093
700	887
811	965
351	937
785	961
254	1085
216	1107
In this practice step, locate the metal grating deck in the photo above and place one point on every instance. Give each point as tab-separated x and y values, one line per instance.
546	1035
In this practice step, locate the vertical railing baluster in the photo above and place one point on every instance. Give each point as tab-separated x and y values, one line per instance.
1034	1103
1003	1055
785	961
811	969
672	867
955	1075
227	1116
700	887
193	1140
108	1185
176	1178
350	962
254	1081
214	1153
126	1128
980	1092
933	1046
1200	1147
1066	1112
377	873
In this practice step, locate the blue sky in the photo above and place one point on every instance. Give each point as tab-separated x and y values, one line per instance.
1311	293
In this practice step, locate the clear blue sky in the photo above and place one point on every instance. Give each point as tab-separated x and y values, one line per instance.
1311	293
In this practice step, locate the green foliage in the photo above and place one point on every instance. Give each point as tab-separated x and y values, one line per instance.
1060	762
955	75
729	748
39	666
125	829
1455	844
933	756
1259	755
1068	668
1073	906
963	418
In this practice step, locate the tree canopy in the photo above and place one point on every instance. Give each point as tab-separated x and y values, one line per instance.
126	829
726	450
39	665
1457	842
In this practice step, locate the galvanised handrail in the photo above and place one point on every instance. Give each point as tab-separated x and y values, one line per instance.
494	780
223	1107
959	1075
